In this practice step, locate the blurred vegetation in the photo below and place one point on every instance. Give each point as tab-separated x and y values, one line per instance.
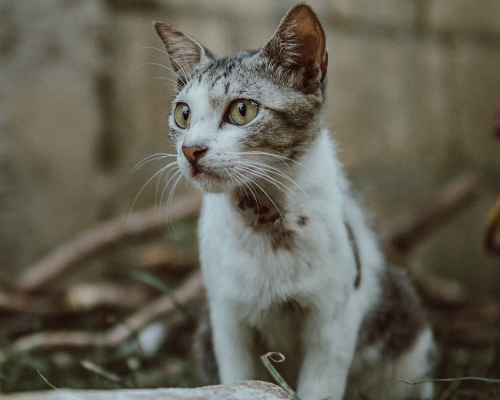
469	343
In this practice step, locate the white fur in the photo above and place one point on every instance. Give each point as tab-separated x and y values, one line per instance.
247	280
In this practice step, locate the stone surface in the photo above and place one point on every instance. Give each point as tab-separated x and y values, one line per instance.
248	390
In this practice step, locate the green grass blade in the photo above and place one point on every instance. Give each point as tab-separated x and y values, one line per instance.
454	385
157	284
46	381
466	378
276	375
449	390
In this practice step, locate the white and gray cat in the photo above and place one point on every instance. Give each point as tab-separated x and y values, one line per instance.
289	260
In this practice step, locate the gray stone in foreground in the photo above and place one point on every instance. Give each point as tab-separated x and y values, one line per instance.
248	390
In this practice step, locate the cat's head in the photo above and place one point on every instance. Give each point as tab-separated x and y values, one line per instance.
241	119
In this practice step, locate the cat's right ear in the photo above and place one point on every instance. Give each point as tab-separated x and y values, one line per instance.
184	52
299	44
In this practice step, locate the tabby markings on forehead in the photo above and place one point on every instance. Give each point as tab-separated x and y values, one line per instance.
220	67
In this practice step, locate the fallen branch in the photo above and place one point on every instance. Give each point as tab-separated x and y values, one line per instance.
104	238
169	258
453	198
20	302
88	296
190	294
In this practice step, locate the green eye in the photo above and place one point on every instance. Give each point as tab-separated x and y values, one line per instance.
182	115
242	111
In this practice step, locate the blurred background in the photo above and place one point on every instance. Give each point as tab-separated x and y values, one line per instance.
412	89
413	85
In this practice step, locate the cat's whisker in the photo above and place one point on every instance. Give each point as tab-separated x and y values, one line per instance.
263	171
262	175
170	69
165	187
253	181
260	153
270	169
266	154
174	83
151	158
154	48
171	83
181	68
246	183
244	186
187	73
166	184
172	190
267	169
156	175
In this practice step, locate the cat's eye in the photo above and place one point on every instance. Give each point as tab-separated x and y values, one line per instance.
182	115
242	111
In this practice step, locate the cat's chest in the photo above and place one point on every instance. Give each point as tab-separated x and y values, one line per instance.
270	227
290	258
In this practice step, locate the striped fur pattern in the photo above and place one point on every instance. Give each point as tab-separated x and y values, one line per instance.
289	260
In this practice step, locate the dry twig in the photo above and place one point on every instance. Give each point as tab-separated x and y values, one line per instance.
190	294
21	302
453	198
108	236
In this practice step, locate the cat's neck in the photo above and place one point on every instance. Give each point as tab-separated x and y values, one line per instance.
261	206
267	204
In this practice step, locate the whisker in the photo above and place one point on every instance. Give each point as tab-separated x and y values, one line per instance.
259	174
244	185
264	153
270	199
156	175
264	168
166	185
151	158
172	190
154	48
171	83
188	72
180	67
263	171
174	176
169	69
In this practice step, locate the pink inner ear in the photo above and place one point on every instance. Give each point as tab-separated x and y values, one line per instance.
312	46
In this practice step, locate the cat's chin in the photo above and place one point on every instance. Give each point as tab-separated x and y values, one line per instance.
210	183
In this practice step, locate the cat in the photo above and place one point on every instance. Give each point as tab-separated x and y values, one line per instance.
289	259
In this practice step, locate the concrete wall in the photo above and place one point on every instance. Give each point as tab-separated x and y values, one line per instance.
412	88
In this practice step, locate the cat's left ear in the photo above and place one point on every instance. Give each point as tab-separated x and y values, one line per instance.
184	52
299	43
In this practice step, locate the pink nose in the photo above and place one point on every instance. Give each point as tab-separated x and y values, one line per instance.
193	153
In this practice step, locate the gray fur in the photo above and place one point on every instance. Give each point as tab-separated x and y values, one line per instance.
397	319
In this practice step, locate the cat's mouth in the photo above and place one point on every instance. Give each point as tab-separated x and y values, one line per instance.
208	180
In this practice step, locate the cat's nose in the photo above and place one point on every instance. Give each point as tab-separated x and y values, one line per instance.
193	153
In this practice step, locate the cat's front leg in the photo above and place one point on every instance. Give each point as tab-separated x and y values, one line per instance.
328	353
233	344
